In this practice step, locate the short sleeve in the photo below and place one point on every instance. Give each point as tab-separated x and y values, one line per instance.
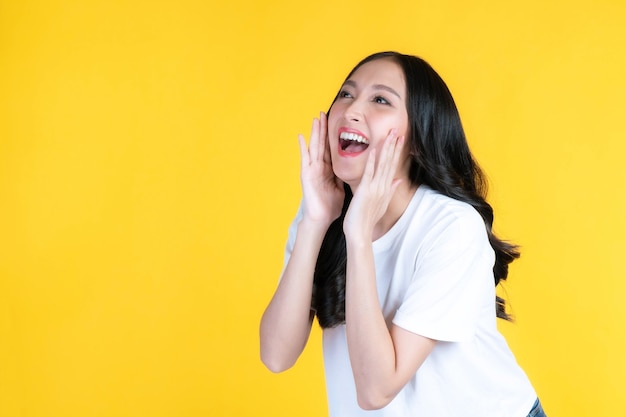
452	281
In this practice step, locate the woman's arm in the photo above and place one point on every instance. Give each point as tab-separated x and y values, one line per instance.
286	323
382	360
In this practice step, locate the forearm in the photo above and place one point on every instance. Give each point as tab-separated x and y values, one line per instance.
383	359
370	345
286	323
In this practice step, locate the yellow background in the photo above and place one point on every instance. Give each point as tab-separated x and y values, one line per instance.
149	171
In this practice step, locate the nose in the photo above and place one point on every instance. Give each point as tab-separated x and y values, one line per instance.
354	111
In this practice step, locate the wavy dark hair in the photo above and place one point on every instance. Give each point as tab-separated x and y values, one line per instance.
441	159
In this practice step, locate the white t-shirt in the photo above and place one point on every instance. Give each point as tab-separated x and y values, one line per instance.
434	277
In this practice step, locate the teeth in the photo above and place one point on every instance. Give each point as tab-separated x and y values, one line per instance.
353	137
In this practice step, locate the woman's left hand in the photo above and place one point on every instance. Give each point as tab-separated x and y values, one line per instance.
373	194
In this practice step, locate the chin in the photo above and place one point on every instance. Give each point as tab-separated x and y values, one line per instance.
351	179
348	171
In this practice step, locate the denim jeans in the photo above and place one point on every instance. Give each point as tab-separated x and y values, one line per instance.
537	410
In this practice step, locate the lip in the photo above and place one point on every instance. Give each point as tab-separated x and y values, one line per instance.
340	151
351	130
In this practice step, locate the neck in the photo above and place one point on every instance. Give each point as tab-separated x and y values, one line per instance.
397	206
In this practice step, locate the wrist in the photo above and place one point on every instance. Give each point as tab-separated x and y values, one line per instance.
313	227
357	240
357	232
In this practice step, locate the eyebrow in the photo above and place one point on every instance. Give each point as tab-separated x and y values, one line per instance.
375	87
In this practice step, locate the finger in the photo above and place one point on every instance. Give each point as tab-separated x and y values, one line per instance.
385	168
314	140
327	157
368	173
324	150
391	157
397	153
304	153
394	185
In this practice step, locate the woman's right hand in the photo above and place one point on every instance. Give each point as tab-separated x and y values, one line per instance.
286	323
322	191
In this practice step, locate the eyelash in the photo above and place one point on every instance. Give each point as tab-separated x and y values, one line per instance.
344	94
376	99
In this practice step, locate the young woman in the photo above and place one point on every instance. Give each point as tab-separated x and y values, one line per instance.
392	249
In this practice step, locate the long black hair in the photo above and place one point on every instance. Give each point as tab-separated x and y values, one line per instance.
440	159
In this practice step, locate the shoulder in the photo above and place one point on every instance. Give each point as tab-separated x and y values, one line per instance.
438	215
447	205
440	229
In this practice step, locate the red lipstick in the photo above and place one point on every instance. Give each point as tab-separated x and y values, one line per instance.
353	143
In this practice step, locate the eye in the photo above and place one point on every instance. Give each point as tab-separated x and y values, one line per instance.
381	100
344	94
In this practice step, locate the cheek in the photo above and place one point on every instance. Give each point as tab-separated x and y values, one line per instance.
332	116
403	125
332	126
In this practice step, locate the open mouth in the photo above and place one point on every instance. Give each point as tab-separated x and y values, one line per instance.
352	143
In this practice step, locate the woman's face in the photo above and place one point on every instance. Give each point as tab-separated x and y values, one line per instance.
370	103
